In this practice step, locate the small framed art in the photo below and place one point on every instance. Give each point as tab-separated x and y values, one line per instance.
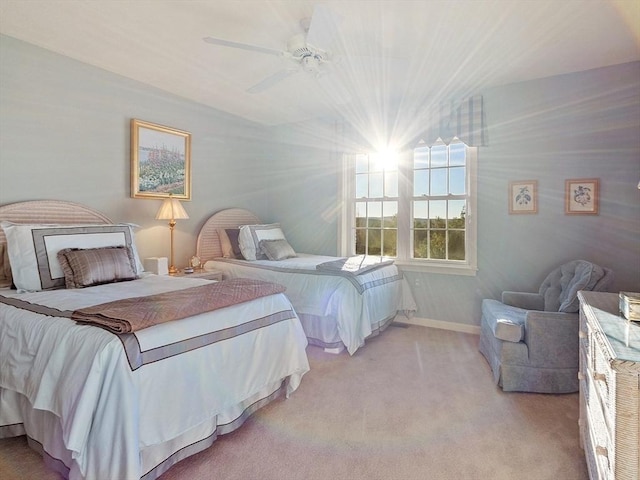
160	161
581	196
523	196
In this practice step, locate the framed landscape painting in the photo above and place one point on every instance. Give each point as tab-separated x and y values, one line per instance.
581	196
523	196
160	161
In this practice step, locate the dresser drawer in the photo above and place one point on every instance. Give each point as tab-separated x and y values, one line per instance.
604	382
601	446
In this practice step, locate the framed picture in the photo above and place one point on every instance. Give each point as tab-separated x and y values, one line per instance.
523	196
160	161
581	196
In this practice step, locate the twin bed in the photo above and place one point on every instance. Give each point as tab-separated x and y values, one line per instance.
101	405
103	394
339	307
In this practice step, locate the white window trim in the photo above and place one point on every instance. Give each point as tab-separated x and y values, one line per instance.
468	268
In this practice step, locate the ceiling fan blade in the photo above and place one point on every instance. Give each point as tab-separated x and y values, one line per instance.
323	28
271	80
243	46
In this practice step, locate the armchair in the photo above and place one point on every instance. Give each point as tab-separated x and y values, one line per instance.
531	339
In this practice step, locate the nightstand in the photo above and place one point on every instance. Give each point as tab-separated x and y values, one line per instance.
208	274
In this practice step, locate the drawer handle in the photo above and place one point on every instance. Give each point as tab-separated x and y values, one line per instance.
582	334
599	376
602	451
580	376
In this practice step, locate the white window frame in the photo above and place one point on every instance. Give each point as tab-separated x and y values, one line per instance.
346	225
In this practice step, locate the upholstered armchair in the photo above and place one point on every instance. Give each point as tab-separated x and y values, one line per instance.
531	339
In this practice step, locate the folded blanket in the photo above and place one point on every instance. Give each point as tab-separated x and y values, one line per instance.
354	265
132	314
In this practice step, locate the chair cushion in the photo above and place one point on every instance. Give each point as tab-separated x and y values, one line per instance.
506	322
560	288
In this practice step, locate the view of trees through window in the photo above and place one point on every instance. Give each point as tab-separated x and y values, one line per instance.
439	201
438	204
376	208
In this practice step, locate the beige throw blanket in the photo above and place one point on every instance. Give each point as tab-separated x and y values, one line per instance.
132	314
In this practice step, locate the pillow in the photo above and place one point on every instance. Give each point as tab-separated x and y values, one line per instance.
277	249
95	266
233	235
250	236
229	242
33	250
5	267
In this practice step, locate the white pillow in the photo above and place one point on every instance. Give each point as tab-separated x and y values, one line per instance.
33	249
250	236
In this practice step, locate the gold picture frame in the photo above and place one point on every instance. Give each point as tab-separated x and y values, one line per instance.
160	161
523	197
582	196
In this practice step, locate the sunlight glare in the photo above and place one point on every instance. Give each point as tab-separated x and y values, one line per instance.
385	159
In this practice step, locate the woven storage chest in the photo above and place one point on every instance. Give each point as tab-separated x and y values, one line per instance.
609	388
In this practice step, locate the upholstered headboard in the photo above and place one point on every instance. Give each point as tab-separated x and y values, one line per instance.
208	244
44	212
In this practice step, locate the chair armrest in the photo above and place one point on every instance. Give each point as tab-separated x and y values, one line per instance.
552	339
524	300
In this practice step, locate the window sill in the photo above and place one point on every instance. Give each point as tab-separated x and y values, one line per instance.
424	267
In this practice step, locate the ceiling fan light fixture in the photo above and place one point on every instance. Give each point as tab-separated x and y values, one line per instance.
311	64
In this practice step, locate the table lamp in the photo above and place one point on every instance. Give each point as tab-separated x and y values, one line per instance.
172	210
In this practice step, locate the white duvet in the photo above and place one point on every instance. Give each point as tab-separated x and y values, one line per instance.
357	302
117	397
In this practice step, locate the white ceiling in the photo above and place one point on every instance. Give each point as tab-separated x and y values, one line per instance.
386	52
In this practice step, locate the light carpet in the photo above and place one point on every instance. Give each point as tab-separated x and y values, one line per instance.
414	403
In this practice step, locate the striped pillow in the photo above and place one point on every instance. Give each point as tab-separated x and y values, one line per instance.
95	266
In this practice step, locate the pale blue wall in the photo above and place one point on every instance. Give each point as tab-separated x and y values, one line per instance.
64	134
583	125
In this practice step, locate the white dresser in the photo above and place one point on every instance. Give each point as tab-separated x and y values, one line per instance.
609	388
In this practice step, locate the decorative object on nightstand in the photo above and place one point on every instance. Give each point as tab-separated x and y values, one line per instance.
172	210
195	263
207	274
157	265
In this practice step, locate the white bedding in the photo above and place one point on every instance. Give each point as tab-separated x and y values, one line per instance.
359	305
126	406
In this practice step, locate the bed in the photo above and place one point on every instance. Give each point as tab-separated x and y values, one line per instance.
105	405
337	309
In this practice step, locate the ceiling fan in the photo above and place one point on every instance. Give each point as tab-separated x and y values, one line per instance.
308	51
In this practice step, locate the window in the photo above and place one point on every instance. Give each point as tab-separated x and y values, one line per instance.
376	205
418	207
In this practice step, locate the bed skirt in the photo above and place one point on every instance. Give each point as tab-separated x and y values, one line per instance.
44	433
323	331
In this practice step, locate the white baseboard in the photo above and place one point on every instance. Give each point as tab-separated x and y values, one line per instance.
427	322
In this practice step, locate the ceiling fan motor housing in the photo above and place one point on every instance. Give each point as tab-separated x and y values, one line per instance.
297	47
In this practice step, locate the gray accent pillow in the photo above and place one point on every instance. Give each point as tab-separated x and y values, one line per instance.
229	242
95	266
6	280
277	249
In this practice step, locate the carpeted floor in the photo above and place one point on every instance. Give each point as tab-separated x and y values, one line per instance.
414	403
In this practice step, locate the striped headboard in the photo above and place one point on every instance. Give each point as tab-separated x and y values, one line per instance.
208	244
44	212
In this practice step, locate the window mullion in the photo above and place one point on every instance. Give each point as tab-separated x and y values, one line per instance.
405	191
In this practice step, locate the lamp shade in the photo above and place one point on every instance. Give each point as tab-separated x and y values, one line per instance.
171	209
